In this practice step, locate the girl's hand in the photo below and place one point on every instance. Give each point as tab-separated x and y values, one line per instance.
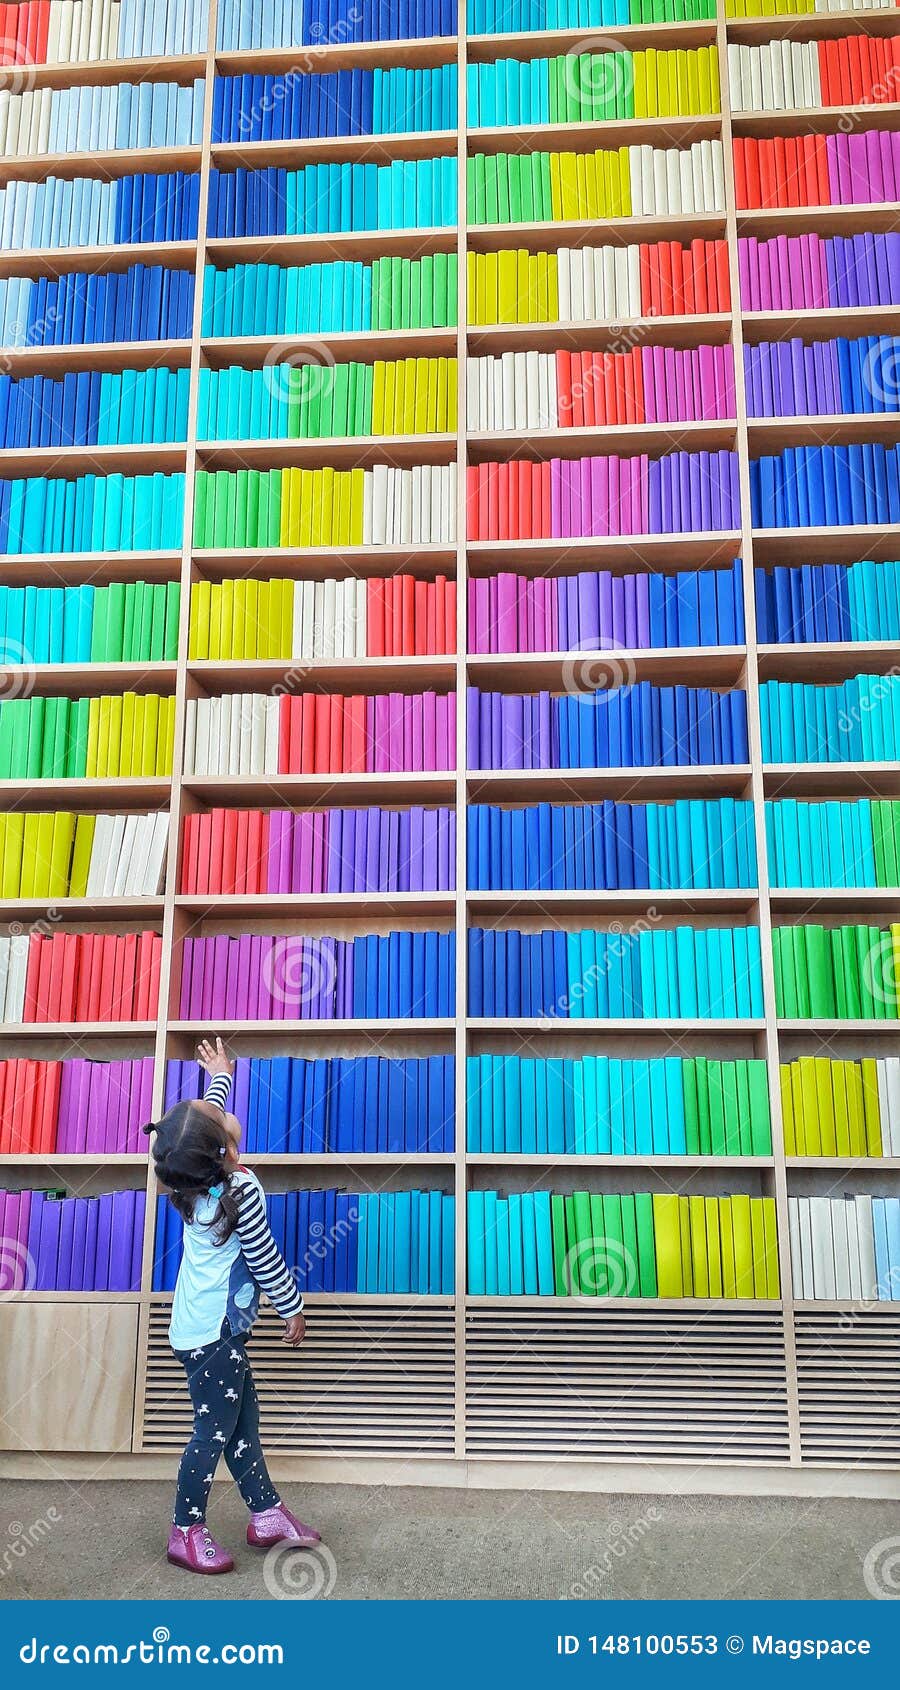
294	1331
214	1060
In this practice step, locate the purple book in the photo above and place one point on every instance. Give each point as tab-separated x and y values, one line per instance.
355	869
121	1240
68	1208
278	858
91	1230
235	984
45	1237
144	1111
80	1206
103	1248
414	740
243	983
188	948
423	851
212	1006
66	1115
137	1252
267	979
174	1082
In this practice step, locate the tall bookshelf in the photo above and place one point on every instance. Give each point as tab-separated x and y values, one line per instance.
462	1388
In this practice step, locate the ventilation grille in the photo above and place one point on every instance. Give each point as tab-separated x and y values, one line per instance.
622	1385
848	1370
368	1380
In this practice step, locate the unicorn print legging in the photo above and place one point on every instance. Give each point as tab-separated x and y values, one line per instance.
226	1422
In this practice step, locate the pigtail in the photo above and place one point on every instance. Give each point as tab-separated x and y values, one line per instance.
187	1154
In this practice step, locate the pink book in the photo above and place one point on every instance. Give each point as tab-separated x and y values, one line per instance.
643	508
507	612
66	1116
429	732
711	395
213	1006
416	759
240	997
372	765
301	852
744	283
880	171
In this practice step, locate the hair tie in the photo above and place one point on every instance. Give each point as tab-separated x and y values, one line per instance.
222	1149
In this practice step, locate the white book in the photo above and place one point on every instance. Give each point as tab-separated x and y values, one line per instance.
806	1248
851	1216
532	390
256	751
768	83
473	396
564	256
379	483
67	28
114	852
755	92
150	882
225	735
892	1068
115	24
105	30
587	298
367	510
841	1247
680	171
718	176
96	19
581	285
13	118
813	77
5	946
776	70
43	133
823	1275
866	1233
270	751
796	1247
53	33
202	710
297	620
134	845
632	265
735	56
17	971
325	625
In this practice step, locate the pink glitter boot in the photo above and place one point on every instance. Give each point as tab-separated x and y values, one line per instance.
197	1550
279	1525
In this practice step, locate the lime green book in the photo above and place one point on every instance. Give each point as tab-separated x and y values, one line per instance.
606	1217
13	861
699	1261
815	992
81	855
99	625
714	1247
131	622
742	1235
440	315
703	1106
667	1239
741	1081
201	481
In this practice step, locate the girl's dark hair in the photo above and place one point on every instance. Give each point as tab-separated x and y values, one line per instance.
188	1153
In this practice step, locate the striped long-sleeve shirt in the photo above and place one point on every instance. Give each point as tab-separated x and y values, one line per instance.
218	1282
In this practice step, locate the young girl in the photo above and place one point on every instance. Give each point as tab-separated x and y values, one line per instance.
229	1257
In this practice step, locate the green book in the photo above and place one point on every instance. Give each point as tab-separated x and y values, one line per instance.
34	709
728	1081
491	200
760	1119
587	1256
339	387
270	533
631	1266
61	736
130	623
540	180
558	1236
366	399
517	169
237	507
555	78
744	1107
717	1127
19	710
504	160
200	507
802	983
841	959
155	596
42	738
416	289
99	625
606	1217
475	189
872	965
646	1244
814	982
691	1110
254	486
145	624
7	716
425	292
394	318
572	1262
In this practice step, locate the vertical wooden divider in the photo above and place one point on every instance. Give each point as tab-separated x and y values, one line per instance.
462	637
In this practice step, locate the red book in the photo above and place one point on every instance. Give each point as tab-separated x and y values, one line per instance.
45	1134
880	60
337	704
115	1001
511	491
69	962
668	303
8	53
449	615
393	620
408	624
437	616
824	56
307	747
49	980
491	530
32	978
285	709
102	1002
564	389
88	982
188	867
31	23
155	950
851	69
645	255
680	261
43	30
129	989
226	868
741	181
375	618
26	1098
355	763
424	618
783	166
473	494
257	851
584	397
322	734
723	277
216	848
239	844
203	876
144	1000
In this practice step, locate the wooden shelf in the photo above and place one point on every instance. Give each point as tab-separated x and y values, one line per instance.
773	434
820	323
551	43
344	453
319	563
95	260
71	1159
591	136
98	568
78	680
539	444
425	1025
559	1159
135	459
831	900
831	780
97	795
853	1164
825	661
360	244
253	351
530	786
713	328
622	553
107	164
29	1030
826	545
616	231
688	1304
241	790
813	26
319	674
585	670
82	909
291	906
878	1028
331	149
174	67
826	120
818	220
98	355
327	55
672	1025
558	904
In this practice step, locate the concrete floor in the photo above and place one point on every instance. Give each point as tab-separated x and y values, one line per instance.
101	1539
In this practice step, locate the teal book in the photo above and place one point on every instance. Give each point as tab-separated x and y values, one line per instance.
658	1107
475	1227
675	1115
529	1244
490	1243
602	1111
528	1091
544	1242
556	1144
512	1105
617	1082
473	1103
542	1128
503	1245
446	1208
401	1279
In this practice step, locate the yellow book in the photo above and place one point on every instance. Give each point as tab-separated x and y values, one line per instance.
593	184
473	291
581	185
640	69
770	1230
227	630
340	514
442	419
114	739
699	1260
686	88
82	847
663	96
726	1238
560	197
130	733
34	875
894	1007
825	1106
13	855
92	756
357	503
697	69
667	1236
713	1247
284	591
758	1248
714	84
871	1106
215	622
550	300
508	286
684	1227
856	1110
787	1111
812	1135
378	383
491	287
313	518
624	193
240	632
147	748
4	869
842	1132
168	738
528	285
424	406
193	620
63	839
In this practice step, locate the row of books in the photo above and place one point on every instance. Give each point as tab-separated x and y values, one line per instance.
116	736
144	302
501	17
289	23
862	168
596	611
634	725
648	384
273	299
833	1108
94	408
604	1106
611	845
574	498
320	733
811	272
372	1104
856	721
819	486
845	1248
37	32
371	850
322	199
393	616
359	101
131	622
852	843
836	973
635	181
383	506
85	211
63	977
292	977
789	378
399	1242
796	603
582	284
56	854
593	87
685	973
851	70
321	401
74	1243
799	8
75	1108
92	513
621	1245
101	118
